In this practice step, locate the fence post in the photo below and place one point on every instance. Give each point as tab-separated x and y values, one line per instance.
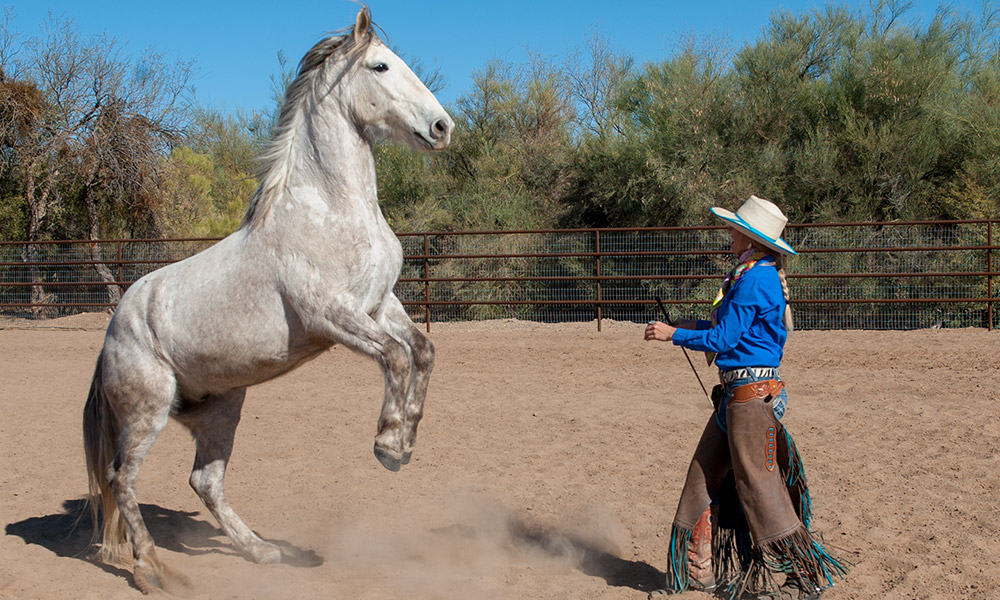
35	293
121	273
427	284
597	257
989	278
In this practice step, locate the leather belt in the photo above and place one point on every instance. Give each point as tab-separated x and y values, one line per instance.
756	372
764	390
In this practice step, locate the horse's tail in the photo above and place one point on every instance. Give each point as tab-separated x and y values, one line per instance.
100	443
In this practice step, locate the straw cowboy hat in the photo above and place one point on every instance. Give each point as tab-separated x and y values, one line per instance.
761	220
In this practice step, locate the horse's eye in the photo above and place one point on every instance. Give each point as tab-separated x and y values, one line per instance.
380	67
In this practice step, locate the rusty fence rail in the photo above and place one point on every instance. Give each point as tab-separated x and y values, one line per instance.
891	275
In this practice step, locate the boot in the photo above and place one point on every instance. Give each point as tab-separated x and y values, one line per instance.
699	554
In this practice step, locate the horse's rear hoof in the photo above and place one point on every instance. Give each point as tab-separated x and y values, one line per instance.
389	459
154	578
406	458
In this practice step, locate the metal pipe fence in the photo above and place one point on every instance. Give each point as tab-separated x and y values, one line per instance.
890	275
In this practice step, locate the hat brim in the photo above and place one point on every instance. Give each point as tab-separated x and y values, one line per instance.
734	219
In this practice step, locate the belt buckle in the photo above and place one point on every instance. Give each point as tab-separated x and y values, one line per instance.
733	375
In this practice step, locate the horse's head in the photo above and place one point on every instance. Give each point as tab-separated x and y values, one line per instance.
346	81
383	95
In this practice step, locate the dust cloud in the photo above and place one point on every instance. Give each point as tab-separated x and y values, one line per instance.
467	544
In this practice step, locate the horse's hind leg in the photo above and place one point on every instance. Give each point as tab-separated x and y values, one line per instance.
212	421
143	407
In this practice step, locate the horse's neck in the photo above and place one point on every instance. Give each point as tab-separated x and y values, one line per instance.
331	157
326	183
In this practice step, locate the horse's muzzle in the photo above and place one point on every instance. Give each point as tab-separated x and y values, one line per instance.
438	135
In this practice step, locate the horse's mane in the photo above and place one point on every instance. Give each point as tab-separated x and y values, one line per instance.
273	164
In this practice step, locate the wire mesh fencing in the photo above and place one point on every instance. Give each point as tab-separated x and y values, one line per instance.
846	275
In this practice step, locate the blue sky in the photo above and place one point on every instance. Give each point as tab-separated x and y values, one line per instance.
235	44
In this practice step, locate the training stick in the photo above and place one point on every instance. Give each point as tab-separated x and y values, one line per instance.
670	322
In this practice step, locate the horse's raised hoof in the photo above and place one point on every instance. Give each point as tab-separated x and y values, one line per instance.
389	459
265	553
153	578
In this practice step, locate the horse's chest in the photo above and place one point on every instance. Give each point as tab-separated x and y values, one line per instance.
357	262
382	266
381	258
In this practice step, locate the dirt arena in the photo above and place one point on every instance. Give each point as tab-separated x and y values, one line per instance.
548	465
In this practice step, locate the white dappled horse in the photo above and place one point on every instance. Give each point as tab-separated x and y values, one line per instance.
312	265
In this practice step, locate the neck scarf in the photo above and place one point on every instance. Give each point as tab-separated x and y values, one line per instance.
750	257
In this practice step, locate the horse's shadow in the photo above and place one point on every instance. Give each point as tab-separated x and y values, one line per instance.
68	534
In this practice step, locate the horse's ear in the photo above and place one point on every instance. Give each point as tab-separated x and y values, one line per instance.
362	23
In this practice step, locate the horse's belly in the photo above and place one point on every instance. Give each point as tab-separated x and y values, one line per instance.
221	370
220	345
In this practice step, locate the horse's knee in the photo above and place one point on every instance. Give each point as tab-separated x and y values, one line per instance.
395	360
423	352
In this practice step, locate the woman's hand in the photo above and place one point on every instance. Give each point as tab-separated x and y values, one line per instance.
657	330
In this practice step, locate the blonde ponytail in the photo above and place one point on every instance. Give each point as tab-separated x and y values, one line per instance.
780	263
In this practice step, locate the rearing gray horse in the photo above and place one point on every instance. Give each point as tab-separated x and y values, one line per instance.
313	264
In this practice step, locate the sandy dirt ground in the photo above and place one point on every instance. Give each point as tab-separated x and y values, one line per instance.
548	465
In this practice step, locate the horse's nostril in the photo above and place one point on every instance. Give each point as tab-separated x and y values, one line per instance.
440	127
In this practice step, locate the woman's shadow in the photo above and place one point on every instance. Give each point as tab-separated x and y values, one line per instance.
590	559
68	534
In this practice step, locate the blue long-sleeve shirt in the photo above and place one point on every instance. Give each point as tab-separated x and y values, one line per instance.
751	331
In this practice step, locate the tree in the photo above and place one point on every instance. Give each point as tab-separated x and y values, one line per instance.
209	181
596	77
512	142
100	124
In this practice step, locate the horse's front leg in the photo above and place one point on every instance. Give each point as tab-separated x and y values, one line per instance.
421	354
350	326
